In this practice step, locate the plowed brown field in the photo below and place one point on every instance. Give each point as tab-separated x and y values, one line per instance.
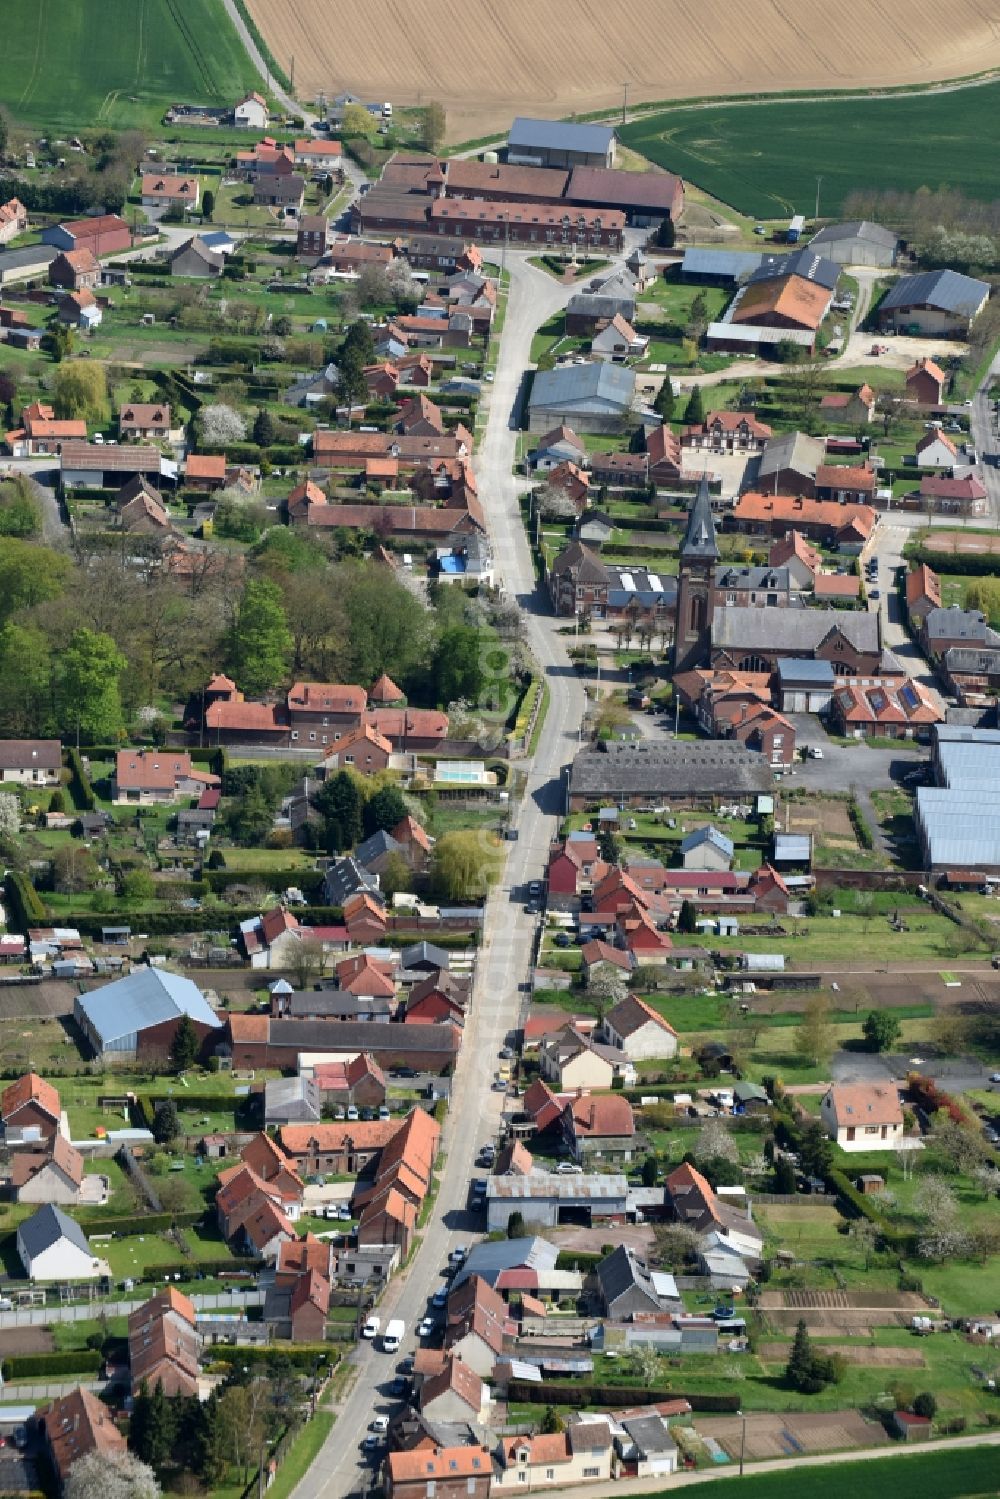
487	62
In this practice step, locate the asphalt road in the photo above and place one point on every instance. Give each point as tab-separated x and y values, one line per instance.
505	960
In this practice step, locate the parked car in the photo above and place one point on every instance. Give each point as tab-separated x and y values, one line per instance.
380	1423
458	1256
425	1328
569	1168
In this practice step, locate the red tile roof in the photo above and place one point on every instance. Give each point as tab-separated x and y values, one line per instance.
601	1115
30	1089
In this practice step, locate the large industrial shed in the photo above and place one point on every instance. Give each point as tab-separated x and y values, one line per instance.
935	303
958	820
593	397
545	1199
859	242
138	1016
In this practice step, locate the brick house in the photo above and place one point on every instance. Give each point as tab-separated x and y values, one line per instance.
923	593
164	1345
600	1125
819	520
106	234
205	471
727	432
152	777
846	485
13	220
165	190
73	1426
75	270
925	382
310	241
30	1110
144	420
578	581
430	1472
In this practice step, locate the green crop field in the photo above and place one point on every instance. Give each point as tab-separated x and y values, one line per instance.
764	158
78	64
925	1475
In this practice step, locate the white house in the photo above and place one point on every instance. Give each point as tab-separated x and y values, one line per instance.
51	1246
31	762
935	450
863	1116
251	113
634	1028
618	340
581	1453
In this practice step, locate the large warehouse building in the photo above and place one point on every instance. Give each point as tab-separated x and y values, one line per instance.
958	820
138	1016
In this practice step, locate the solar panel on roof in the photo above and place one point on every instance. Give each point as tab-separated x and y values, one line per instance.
655	583
628	582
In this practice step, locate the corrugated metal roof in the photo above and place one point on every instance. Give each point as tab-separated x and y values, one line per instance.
750	333
490	1258
731	264
862	229
813	673
807	263
147	997
527	134
948	291
538	1185
577	384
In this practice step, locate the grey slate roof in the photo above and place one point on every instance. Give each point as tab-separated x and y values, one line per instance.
948	291
344	878
489	1258
650	1435
856	229
421	953
528	134
596	305
754	576
586	564
597	386
47	1227
376	847
804	262
639	585
959	624
147	997
792	450
960	658
710	835
352	1035
620	1271
699	539
792	630
719	766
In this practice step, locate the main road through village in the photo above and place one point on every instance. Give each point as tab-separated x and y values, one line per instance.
505	957
340	1468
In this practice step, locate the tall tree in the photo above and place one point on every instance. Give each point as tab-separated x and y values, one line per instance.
259	640
458	665
384	810
80	390
694	411
29	575
466	865
341	805
184	1047
90	670
881	1030
663	405
208	205
814	1039
25	680
166	1122
263	428
435	124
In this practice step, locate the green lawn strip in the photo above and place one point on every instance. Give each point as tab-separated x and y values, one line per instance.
301	1453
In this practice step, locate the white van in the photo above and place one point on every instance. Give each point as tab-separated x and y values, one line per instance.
387	111
394	1334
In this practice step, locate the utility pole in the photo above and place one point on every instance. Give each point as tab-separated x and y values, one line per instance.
819	181
291	74
624	100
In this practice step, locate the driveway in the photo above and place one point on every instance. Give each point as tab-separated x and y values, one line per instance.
845	766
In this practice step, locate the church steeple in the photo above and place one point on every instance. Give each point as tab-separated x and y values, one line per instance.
698	555
699	538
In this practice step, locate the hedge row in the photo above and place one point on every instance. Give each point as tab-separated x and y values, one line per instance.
304	1356
580	1395
855	1204
148	1223
26	906
271	879
30	1365
79	781
973	564
859	822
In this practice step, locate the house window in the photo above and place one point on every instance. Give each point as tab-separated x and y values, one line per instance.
550	1473
522	1477
591	1472
294	734
312	736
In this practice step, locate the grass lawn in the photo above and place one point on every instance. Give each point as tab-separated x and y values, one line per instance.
257	859
825	939
301	1453
140	1253
118	63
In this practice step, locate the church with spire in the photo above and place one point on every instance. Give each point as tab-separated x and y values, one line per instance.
698	557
